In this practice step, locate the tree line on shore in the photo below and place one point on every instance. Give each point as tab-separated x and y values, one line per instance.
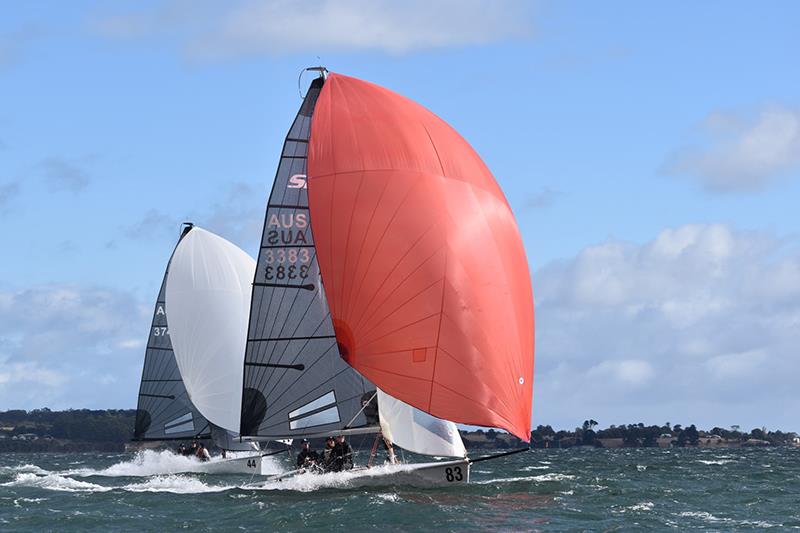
640	435
110	429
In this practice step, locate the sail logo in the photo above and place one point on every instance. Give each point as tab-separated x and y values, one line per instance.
297	181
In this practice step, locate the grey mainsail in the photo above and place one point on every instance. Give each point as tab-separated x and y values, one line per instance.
295	381
164	410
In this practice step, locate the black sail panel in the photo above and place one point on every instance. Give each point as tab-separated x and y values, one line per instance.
164	410
295	382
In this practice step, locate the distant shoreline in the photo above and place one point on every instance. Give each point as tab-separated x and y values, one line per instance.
111	430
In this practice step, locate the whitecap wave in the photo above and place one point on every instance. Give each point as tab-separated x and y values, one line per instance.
710	518
26	468
552	476
534	467
376	476
54	482
641	506
177	484
164	462
716	461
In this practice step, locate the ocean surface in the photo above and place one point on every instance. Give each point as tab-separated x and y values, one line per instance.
540	490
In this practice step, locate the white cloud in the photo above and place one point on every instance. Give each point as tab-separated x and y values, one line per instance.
281	26
59	344
742	154
699	325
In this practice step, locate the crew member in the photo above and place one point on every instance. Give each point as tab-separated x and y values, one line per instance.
307	457
202	453
342	455
327	459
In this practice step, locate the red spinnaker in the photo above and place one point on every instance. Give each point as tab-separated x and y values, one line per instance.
423	265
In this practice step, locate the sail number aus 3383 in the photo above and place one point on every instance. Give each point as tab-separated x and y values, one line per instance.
282	264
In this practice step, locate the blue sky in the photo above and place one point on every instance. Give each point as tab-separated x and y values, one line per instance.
650	152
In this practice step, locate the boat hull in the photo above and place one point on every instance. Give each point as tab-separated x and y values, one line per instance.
433	474
235	465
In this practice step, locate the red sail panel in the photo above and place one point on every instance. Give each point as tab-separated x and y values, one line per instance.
421	258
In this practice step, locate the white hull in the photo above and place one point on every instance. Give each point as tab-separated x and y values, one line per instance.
441	473
236	465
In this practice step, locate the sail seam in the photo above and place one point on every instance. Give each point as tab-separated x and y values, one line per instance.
438	330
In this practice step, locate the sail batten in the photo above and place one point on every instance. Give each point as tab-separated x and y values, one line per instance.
292	357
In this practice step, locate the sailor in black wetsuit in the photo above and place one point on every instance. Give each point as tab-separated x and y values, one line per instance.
342	455
326	458
307	457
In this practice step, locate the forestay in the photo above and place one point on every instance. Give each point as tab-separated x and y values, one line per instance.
164	410
295	382
208	301
417	431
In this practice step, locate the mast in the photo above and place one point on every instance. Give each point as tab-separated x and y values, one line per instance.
164	410
295	381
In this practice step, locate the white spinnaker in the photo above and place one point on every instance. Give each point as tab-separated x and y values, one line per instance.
208	305
416	430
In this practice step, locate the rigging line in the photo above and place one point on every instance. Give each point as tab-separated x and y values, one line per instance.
268	339
276	365
498	455
364	406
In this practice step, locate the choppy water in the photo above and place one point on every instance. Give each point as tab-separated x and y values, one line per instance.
544	490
